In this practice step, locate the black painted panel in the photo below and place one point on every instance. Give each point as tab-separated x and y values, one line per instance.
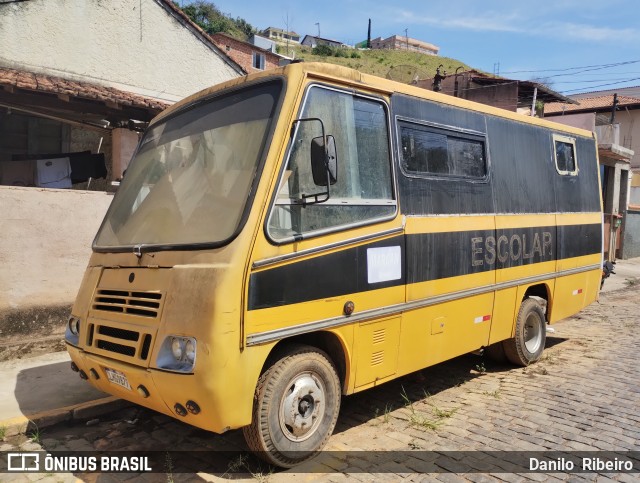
580	193
428	256
331	275
523	168
522	174
425	196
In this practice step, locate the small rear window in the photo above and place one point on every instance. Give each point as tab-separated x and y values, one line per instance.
565	155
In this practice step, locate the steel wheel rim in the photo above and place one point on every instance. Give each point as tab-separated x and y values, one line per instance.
302	407
532	333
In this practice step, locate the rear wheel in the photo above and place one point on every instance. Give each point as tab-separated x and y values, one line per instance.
295	407
531	331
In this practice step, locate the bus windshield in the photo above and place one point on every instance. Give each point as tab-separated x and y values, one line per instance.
192	175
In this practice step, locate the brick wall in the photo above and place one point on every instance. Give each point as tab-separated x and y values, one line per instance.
242	53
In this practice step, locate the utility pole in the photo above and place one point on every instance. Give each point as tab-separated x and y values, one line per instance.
614	108
406	36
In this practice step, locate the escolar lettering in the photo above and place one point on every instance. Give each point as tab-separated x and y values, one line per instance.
512	248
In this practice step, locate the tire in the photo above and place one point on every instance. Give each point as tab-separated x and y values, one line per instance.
295	407
531	332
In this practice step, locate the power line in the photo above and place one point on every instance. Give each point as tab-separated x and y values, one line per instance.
598	66
604	85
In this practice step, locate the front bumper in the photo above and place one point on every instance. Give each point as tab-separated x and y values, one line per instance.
154	389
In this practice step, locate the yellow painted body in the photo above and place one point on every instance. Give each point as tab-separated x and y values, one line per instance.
204	292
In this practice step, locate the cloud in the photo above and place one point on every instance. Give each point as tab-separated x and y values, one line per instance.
591	33
525	25
486	23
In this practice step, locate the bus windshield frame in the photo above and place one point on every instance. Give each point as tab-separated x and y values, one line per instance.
192	180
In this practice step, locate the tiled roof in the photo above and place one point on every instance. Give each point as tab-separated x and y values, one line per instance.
84	90
598	103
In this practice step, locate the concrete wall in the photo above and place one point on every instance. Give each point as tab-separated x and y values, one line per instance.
632	234
45	240
630	133
583	121
136	46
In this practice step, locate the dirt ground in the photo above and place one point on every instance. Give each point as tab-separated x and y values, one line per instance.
32	331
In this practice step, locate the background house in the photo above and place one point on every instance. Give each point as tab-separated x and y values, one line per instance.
615	117
313	41
263	43
280	36
511	94
77	76
397	42
248	56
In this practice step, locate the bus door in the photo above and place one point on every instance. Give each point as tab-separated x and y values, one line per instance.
331	255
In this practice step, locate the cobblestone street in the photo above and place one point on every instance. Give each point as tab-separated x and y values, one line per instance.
584	395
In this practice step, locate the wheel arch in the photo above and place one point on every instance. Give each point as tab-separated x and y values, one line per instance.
539	291
329	342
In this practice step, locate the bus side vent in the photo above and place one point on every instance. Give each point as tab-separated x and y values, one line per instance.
377	358
143	304
378	336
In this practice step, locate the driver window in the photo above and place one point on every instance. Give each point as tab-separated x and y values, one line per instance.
363	191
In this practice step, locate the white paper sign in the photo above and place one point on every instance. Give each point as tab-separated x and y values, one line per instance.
384	264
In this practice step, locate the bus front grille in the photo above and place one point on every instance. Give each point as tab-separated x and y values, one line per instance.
109	340
142	304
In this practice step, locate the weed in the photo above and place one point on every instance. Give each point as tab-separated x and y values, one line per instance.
480	368
387	413
168	465
444	413
3	432
414	445
417	419
495	393
550	357
242	463
36	435
236	464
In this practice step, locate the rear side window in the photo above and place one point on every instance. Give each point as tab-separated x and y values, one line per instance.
565	155
431	151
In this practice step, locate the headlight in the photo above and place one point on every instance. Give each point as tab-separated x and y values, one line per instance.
74	325
72	332
177	353
190	350
177	348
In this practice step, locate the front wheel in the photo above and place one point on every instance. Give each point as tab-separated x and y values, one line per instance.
295	407
531	331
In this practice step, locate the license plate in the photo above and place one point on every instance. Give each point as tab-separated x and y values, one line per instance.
117	377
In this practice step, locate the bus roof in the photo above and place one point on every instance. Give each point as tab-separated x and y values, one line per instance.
340	74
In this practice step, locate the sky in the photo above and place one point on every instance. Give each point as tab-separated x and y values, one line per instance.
571	45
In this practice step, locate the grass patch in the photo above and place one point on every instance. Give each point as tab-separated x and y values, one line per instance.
494	394
399	64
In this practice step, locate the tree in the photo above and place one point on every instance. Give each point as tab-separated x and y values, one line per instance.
210	19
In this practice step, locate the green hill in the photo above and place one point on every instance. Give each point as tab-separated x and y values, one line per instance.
400	65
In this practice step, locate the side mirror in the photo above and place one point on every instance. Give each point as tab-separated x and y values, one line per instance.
324	161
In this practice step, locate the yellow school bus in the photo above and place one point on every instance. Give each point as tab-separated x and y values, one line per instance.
293	236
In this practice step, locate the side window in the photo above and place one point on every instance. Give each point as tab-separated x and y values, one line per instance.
565	155
363	192
431	151
258	60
